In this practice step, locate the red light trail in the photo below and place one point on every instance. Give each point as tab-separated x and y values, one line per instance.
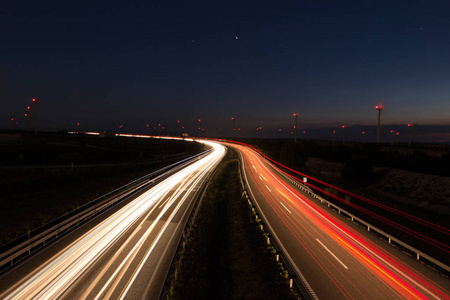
335	259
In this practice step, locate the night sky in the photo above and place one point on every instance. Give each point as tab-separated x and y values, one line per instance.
108	63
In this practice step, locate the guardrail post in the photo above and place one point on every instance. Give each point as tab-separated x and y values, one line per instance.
291	283
268	240
277	256
390	239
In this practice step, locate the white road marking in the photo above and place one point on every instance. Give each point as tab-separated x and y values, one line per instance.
285	207
332	254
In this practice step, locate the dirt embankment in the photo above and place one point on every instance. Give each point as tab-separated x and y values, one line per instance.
428	192
421	191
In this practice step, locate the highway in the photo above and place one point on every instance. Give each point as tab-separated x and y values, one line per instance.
334	258
125	256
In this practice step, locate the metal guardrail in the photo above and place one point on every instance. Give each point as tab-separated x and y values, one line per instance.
12	252
419	254
295	274
187	228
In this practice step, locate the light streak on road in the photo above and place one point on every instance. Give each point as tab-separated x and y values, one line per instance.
336	260
165	201
285	207
332	254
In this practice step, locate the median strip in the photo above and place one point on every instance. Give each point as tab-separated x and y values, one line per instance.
225	255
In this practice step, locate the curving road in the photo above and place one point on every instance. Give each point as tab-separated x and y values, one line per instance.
127	255
335	258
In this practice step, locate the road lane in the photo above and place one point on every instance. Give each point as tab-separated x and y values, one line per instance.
338	260
117	257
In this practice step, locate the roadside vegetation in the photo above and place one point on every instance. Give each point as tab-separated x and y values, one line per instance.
415	180
226	256
39	184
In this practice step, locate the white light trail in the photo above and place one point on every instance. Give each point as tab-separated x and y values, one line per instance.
56	275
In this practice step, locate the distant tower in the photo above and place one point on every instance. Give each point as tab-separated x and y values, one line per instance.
409	140
35	115
343	134
295	127
234	126
379	108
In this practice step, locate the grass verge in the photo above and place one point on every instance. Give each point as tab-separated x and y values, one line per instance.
226	256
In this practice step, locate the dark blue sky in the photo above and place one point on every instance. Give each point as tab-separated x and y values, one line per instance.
108	63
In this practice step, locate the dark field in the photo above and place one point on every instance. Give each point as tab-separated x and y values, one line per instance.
413	180
50	174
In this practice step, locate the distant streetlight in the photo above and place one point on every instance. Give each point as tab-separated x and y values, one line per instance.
343	134
28	117
200	127
363	136
295	126
409	140
26	121
234	126
35	115
392	136
379	108
13	122
259	129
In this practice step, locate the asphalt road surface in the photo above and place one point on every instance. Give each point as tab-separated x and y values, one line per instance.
335	258
125	256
